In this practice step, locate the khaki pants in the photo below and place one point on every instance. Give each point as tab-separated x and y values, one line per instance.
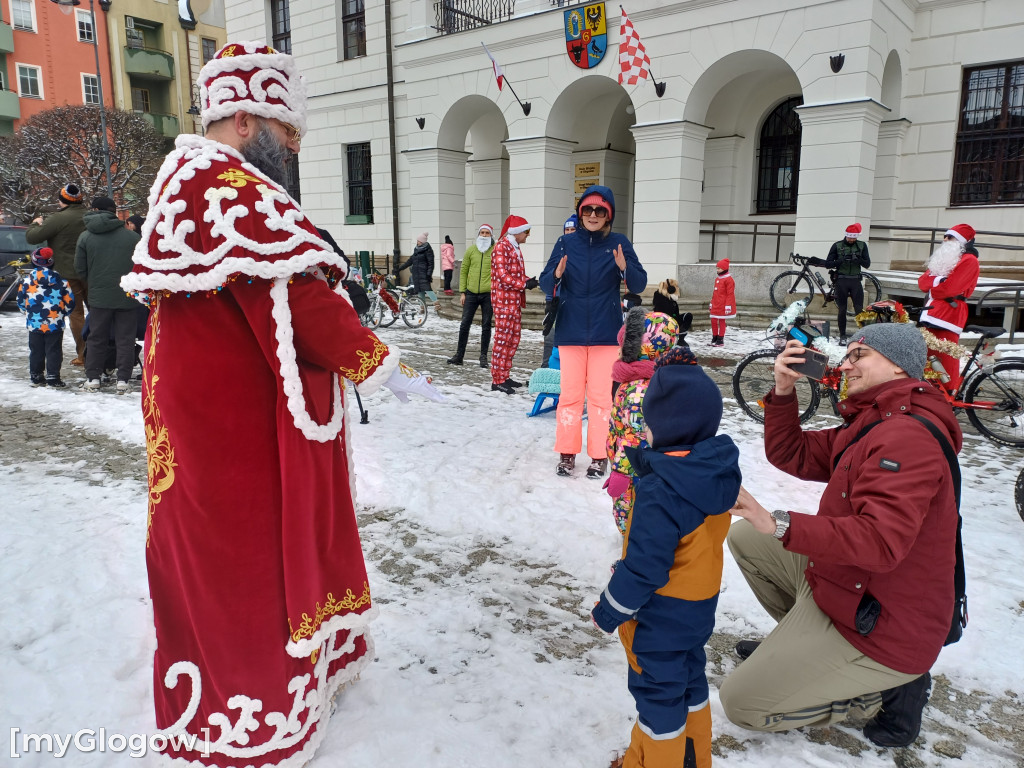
805	672
77	317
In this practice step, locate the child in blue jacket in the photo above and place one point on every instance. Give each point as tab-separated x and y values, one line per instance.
663	594
46	299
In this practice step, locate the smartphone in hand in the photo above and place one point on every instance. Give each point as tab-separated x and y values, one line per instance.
813	366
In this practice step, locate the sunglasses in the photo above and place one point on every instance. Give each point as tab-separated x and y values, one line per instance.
293	132
853	356
595	210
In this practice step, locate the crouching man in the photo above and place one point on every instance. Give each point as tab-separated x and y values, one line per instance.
863	590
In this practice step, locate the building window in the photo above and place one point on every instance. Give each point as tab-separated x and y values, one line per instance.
360	186
989	164
353	28
30	82
140	100
2	86
209	49
291	183
280	26
23	15
90	89
778	166
85	33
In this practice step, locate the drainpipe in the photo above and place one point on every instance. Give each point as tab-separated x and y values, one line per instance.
391	133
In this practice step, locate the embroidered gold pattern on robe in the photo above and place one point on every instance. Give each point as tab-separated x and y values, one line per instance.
349	603
236	177
159	452
368	360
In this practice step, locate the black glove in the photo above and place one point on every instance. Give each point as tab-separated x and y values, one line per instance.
531	283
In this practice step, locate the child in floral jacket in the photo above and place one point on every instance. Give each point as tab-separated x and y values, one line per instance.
46	299
643	338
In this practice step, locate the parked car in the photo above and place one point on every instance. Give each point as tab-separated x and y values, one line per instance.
13	247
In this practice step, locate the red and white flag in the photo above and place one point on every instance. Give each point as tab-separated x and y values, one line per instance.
498	74
634	62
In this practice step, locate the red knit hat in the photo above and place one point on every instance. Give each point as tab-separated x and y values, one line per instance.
852	231
514	225
723	264
254	78
43	257
595	199
962	232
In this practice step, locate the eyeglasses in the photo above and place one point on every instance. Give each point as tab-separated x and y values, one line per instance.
594	210
853	356
293	133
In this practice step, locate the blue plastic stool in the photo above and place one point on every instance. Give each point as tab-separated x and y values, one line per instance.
546	383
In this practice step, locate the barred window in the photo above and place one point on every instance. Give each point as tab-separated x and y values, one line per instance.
778	167
281	26
360	184
989	164
291	183
353	28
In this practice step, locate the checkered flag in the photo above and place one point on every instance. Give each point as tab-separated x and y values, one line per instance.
634	62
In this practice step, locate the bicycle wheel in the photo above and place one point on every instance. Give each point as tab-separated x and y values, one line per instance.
754	377
872	289
371	317
414	311
1018	494
995	401
388	315
789	287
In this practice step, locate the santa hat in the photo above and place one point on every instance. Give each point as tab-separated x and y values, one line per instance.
852	231
254	78
488	227
515	225
42	257
961	232
70	194
723	265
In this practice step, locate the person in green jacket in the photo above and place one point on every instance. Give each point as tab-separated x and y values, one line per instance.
103	256
60	231
475	282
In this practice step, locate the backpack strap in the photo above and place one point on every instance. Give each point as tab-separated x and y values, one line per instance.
864	430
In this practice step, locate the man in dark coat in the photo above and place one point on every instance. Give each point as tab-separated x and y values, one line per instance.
863	590
422	263
103	256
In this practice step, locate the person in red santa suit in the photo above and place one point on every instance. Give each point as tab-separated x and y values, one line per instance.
260	595
723	303
509	284
951	277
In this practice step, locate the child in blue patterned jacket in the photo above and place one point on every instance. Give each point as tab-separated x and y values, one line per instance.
46	299
663	593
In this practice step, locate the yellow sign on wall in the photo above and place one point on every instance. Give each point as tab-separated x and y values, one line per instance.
583	184
587	169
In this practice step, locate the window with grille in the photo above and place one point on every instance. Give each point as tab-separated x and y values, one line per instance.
291	182
353	28
989	164
209	49
280	26
85	31
29	82
778	162
90	89
23	15
360	185
140	100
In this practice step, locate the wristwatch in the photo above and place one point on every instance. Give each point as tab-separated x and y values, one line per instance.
781	518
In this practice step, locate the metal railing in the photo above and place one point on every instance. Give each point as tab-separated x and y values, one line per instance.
1010	306
757	231
930	237
452	16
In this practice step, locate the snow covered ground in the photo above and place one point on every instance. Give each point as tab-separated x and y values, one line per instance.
484	565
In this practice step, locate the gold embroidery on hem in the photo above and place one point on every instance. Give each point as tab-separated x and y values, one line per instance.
160	462
368	360
331	607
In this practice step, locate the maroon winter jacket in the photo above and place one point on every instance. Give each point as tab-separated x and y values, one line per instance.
886	522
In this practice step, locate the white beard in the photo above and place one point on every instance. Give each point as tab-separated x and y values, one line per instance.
483	243
945	258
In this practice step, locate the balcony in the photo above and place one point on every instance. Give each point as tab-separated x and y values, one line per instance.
6	38
149	64
10	109
166	125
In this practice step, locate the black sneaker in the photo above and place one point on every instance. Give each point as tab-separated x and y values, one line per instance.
843	340
596	468
746	647
55	383
503	387
566	464
38	381
513	383
483	361
898	723
457	360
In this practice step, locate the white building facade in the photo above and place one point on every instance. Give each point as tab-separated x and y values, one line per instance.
799	116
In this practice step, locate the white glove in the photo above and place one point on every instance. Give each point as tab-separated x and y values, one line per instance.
404	381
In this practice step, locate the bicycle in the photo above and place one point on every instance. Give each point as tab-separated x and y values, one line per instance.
15	270
794	285
991	395
393	301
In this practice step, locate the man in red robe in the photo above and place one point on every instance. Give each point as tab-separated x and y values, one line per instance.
260	595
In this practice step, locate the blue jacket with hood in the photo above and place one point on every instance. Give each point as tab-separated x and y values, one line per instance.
589	305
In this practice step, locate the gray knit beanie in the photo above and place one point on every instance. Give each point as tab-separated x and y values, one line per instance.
902	343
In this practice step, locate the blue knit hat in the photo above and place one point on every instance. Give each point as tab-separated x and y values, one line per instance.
572	221
682	405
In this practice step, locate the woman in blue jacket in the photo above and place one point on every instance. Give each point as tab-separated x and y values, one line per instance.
585	272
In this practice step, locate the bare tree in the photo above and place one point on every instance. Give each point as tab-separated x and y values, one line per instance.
64	145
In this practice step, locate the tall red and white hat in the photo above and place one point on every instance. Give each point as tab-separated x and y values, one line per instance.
255	78
961	232
515	225
853	231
